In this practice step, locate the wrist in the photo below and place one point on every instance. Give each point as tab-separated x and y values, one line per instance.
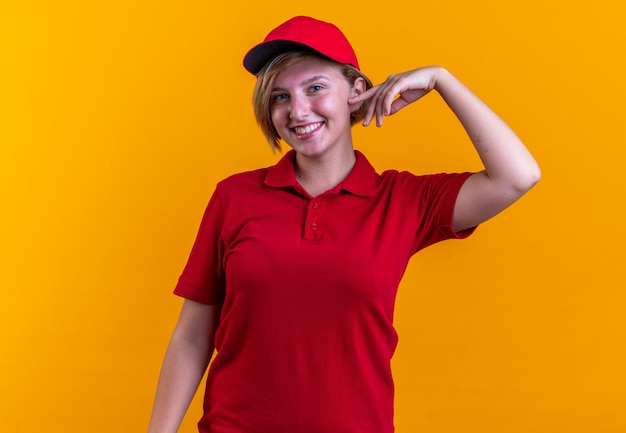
441	77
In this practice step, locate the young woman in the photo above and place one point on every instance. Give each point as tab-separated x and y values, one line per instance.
294	272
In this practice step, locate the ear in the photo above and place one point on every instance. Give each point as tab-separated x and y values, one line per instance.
357	88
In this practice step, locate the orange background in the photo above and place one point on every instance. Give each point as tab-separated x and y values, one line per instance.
117	119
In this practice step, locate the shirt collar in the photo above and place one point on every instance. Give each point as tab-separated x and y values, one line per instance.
361	180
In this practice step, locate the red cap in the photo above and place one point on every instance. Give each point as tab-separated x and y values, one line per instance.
301	34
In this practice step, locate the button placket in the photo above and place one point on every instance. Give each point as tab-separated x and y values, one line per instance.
312	229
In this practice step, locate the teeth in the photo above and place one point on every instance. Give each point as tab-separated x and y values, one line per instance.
307	129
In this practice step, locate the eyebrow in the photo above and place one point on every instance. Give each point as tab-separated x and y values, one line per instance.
305	82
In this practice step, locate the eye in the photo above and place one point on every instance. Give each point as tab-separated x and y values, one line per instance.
315	88
279	97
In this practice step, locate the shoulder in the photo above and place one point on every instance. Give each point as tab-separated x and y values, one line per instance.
405	183
435	180
424	189
241	192
243	180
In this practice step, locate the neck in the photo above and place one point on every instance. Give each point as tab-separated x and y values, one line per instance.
319	175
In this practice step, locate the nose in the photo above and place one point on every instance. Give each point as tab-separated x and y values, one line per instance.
299	108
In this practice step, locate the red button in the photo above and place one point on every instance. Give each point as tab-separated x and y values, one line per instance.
313	226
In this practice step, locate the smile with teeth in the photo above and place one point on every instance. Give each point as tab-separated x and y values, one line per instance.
301	130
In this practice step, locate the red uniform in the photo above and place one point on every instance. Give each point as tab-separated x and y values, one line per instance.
308	286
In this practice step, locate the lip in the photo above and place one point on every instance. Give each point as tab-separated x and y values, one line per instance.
307	130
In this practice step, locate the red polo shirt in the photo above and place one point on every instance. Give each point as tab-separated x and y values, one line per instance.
308	286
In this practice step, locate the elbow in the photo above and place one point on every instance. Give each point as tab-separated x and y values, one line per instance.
527	180
534	175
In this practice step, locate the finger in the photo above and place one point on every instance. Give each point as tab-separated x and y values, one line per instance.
369	113
394	98
397	105
406	97
372	107
385	99
369	93
378	105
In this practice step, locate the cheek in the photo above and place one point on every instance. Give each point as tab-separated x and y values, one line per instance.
326	105
334	107
275	117
276	114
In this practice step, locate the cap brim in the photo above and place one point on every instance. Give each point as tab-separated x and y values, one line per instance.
259	55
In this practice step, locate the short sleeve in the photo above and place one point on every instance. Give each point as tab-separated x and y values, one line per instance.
202	279
433	198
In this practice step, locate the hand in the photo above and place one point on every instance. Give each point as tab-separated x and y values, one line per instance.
397	92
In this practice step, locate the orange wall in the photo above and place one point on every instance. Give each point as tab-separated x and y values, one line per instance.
117	118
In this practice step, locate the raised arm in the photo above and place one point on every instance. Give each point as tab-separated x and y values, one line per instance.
510	170
185	362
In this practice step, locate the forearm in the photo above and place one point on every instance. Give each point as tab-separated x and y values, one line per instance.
183	367
186	359
503	154
510	170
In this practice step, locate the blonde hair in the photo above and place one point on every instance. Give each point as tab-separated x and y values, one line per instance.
261	99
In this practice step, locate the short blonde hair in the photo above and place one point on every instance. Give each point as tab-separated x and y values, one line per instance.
262	96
